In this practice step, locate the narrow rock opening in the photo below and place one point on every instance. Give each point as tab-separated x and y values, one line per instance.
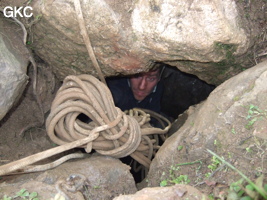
182	90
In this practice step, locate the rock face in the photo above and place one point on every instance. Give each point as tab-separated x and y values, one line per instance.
211	40
13	65
231	122
188	30
178	192
104	178
128	36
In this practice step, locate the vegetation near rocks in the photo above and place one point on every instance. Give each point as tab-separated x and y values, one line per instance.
23	194
243	189
255	114
251	190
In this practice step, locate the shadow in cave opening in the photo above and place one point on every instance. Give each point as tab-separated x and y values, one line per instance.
181	90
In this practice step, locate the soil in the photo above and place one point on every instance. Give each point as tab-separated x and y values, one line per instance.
17	138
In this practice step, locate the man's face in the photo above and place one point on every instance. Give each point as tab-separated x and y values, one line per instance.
142	84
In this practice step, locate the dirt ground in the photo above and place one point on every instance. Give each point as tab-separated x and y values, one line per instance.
15	143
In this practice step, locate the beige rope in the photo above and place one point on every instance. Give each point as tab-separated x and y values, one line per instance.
86	39
39	168
111	131
85	94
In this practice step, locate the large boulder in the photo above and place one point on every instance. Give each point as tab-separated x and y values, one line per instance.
127	35
231	123
14	59
97	177
178	192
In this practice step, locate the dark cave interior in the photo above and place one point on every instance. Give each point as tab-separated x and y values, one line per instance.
182	90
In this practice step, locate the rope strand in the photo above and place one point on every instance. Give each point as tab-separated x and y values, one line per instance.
86	39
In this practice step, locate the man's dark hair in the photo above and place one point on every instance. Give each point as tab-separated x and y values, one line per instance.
158	66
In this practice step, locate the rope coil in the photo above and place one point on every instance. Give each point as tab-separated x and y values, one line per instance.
117	134
111	131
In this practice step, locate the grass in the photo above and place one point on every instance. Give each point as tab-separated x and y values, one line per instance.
254	114
243	189
215	163
173	178
251	190
22	194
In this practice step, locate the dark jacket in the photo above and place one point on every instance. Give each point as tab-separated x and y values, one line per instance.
124	98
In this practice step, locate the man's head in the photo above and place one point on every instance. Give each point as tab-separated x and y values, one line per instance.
142	84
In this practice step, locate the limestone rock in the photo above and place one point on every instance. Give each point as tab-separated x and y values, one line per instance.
13	64
178	192
231	123
128	36
188	30
105	178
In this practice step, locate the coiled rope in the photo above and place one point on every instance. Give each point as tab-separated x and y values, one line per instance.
111	131
115	133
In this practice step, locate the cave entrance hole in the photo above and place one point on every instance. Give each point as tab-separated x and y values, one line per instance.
181	90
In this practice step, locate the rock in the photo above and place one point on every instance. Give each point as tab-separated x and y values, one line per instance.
181	32
181	28
177	192
13	64
201	38
105	178
231	123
